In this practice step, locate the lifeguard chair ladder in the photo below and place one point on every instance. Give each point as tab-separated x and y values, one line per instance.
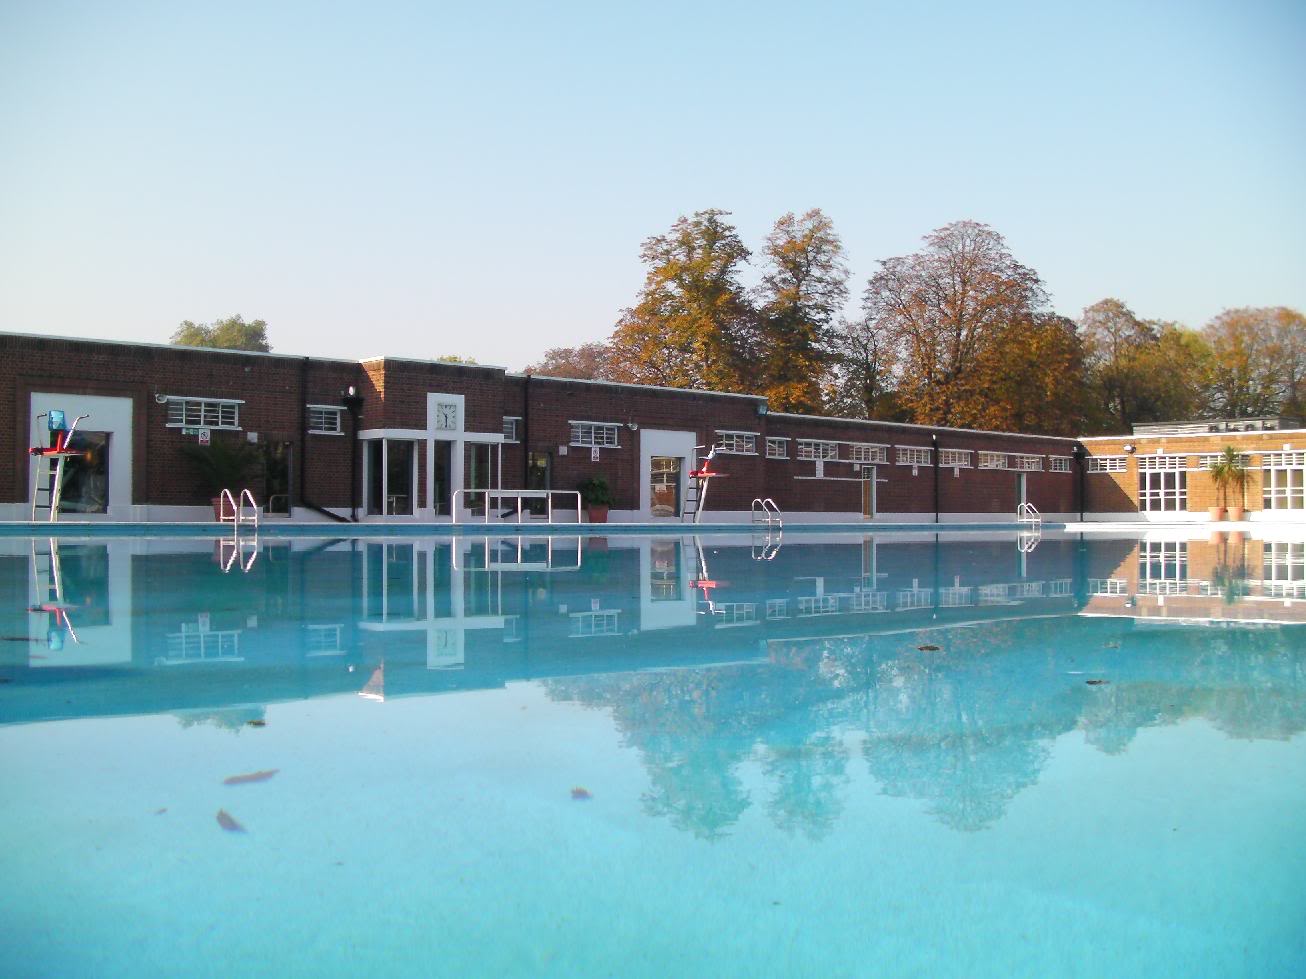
50	464
696	497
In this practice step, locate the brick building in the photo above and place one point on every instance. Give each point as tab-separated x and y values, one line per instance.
392	439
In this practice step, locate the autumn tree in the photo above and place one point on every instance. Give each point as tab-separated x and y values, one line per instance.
1257	362
589	361
1032	373
938	311
693	324
802	293
232	333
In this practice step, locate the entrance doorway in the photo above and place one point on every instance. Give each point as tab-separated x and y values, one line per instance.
391	477
664	486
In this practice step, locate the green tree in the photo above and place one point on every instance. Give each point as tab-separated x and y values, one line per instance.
232	333
802	293
693	323
1139	370
940	309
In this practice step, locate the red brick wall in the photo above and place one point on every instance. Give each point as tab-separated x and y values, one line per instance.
276	388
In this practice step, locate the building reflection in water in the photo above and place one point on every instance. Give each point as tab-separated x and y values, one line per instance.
942	668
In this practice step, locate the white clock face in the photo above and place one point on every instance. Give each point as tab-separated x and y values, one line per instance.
446	416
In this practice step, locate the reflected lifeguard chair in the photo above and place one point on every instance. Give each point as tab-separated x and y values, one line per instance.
47	579
50	461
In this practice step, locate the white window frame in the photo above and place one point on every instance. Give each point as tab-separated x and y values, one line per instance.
210	412
587	434
818	449
317	414
868	452
1026	463
510	426
1059	464
913	455
777	448
1208	459
993	460
954	458
1163	488
735	443
1162	463
1283	480
1106	464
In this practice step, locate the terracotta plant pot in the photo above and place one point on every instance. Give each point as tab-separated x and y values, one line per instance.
1217	514
1236	513
597	512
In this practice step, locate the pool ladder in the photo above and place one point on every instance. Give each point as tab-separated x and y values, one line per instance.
237	549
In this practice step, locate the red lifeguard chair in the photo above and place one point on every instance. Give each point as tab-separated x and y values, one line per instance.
699	479
50	462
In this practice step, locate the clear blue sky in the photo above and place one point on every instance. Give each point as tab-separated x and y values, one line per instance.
421	180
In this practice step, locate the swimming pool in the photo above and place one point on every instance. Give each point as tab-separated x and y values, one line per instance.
653	756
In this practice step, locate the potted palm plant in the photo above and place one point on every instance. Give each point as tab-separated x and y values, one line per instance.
222	465
1229	471
597	496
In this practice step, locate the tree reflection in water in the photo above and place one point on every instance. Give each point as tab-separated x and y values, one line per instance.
963	729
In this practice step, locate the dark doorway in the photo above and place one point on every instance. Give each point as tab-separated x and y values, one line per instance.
277	457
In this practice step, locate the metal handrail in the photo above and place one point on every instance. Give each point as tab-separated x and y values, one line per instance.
224	499
519	495
1028	513
240	514
764	508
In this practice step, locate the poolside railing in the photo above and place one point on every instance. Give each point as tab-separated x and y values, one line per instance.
520	495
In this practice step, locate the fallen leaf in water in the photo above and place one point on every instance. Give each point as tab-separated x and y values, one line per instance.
262	776
580	794
1096	683
160	812
927	648
257	723
226	821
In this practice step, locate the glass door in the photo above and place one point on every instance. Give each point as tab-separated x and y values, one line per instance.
664	486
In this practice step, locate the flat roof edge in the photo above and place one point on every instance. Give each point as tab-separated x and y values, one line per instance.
642	387
924	428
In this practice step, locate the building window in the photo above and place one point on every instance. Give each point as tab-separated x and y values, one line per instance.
777	448
600	434
993	460
868	452
325	420
1163	490
1209	459
1284	481
510	428
1059	464
736	443
811	449
909	455
1106	464
954	458
203	413
1027	464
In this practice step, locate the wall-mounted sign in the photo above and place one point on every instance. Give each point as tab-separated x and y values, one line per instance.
204	436
594	454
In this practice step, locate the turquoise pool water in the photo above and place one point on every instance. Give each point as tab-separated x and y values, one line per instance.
653	757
